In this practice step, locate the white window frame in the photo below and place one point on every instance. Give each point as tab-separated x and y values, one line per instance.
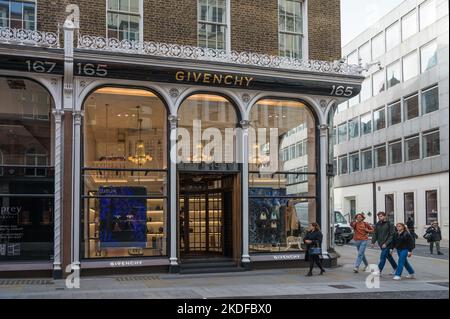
303	35
361	163
35	13
422	92
141	18
418	65
402	147
409	14
407	139
227	25
434	41
425	134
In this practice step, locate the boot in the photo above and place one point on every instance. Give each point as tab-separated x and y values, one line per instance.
309	274
440	254
322	271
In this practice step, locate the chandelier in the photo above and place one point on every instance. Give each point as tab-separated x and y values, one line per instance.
140	157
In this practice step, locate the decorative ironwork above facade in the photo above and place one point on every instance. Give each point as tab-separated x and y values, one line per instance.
214	55
29	37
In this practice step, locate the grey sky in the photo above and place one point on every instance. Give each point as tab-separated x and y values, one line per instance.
358	15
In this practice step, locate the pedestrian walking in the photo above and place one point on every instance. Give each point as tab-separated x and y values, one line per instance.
434	236
313	240
412	229
360	237
383	235
404	244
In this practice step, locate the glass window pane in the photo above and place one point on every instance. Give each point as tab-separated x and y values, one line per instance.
430	101
366	159
427	14
410	66
124	5
395	153
134	6
354	162
395	113
392	36
431	207
353	128
409	210
16	24
366	124
431	144
412	149
411	106
353	58
16	10
113	4
378	46
393	74
113	21
378	80
221	11
343	165
364	53
428	56
342	133
380	156
203	10
366	89
409	25
379	117
29	11
389	207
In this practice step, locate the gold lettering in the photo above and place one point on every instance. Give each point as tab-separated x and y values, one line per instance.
197	76
239	82
206	78
229	79
179	76
218	78
189	77
249	80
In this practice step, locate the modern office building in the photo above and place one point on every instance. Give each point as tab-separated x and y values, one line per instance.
146	135
391	141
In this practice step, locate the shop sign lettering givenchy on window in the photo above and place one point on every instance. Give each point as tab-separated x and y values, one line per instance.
213	78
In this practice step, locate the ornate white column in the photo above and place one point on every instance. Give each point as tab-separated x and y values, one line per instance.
245	125
76	195
57	271
323	179
173	121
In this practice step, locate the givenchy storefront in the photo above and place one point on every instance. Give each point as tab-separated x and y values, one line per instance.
161	157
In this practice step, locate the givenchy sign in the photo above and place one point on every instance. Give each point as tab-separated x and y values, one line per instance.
213	78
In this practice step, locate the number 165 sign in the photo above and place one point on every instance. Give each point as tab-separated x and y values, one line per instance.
341	90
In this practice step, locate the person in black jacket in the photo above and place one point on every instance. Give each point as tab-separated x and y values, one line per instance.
404	243
434	237
313	239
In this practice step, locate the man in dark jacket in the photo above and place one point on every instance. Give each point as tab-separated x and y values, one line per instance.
383	236
434	237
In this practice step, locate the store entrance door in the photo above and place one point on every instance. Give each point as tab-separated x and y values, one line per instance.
206	213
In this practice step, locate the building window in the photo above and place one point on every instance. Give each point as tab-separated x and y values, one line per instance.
378	82
342	133
354	100
428	56
431	144
353	58
290	19
389	207
409	25
380	155
213	24
411	107
394	113
393	74
124	19
26	161
124	174
378	46
334	136
412	148
272	199
366	90
342	107
431	206
410	66
427	14
366	159
395	152
353	128
365	54
430	100
18	14
379	119
354	162
343	165
408	204
392	36
366	124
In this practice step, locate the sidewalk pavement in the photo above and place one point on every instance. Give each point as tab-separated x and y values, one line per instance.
432	282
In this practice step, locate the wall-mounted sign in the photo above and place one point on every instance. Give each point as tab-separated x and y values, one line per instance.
127	71
31	64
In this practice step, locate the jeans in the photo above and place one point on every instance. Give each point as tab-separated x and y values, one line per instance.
386	255
403	262
438	246
361	246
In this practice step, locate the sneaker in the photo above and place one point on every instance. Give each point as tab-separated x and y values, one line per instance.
367	269
393	272
410	276
440	254
397	278
355	270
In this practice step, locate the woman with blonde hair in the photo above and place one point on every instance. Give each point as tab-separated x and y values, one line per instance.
404	243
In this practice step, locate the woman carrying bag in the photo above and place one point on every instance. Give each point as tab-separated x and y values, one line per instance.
313	241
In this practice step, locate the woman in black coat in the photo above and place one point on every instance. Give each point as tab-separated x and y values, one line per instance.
313	239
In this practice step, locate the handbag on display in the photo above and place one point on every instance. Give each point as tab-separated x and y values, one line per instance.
263	215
